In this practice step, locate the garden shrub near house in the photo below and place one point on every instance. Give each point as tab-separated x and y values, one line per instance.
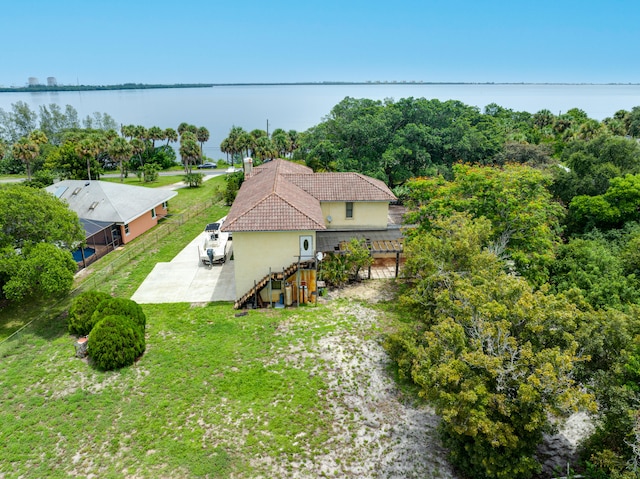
80	319
340	268
115	342
120	307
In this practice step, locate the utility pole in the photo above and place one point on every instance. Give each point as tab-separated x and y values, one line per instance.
267	127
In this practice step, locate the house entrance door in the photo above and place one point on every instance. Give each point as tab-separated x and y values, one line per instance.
306	248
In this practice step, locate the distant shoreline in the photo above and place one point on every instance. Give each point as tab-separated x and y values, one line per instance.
143	86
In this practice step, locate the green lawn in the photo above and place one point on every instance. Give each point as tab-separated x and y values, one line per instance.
160	181
211	393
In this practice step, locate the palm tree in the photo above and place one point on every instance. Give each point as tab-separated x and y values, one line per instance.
141	132
253	138
243	143
138	147
234	144
281	142
170	135
294	142
120	150
26	150
182	127
264	149
189	150
87	148
202	135
155	134
127	131
38	137
225	147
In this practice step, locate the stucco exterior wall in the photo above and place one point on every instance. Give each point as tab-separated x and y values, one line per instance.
141	224
255	252
366	215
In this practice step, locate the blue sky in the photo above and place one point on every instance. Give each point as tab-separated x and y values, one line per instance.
202	41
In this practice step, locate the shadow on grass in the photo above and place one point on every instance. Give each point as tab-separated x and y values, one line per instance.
43	318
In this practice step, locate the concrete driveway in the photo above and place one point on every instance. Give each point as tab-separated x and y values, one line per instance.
186	279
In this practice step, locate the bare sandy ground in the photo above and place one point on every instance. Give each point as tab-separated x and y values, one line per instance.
378	432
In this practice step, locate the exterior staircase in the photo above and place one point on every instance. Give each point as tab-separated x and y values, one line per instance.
252	296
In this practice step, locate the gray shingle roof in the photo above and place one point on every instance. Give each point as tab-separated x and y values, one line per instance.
284	196
107	201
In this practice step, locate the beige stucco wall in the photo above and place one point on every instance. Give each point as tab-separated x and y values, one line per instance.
366	215
255	252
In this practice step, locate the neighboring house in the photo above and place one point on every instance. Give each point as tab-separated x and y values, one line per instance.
285	213
112	213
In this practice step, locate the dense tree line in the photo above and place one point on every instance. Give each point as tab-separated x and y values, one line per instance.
54	143
37	231
259	144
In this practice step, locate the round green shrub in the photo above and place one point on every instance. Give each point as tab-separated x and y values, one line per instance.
80	314
120	307
115	342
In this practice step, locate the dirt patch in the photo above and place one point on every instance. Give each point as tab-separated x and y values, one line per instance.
376	431
369	291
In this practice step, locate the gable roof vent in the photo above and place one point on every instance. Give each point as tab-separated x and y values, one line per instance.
76	191
93	205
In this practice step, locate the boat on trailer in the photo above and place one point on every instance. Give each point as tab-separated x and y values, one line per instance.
215	245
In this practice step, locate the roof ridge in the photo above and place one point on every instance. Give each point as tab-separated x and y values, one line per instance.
373	181
293	205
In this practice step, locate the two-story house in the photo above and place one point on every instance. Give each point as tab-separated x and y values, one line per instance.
284	214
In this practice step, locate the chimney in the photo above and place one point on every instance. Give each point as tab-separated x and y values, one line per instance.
248	167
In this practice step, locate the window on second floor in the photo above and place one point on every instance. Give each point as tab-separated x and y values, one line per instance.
349	212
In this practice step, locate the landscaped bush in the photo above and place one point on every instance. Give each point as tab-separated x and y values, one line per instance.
120	307
80	319
115	342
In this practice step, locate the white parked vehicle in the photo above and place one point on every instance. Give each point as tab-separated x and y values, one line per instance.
215	246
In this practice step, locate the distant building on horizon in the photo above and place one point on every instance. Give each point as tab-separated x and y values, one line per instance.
51	81
33	81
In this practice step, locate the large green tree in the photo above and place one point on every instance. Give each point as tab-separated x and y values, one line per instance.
494	356
120	150
37	233
525	221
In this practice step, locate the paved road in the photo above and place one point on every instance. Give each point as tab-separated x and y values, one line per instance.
207	174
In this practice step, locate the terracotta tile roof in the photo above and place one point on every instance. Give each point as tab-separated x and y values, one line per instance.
343	187
284	196
267	202
284	167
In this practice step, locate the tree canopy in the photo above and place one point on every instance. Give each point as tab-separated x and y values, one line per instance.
37	233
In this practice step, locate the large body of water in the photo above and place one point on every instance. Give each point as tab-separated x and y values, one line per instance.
299	107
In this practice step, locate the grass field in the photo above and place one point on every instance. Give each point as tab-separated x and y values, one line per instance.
211	393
